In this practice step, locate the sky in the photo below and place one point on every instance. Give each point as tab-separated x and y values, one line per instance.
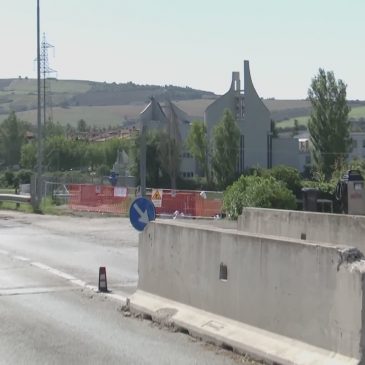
195	43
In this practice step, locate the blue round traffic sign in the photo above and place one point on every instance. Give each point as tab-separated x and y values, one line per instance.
141	212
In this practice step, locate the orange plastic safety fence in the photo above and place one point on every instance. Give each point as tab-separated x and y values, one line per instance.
117	200
189	203
99	198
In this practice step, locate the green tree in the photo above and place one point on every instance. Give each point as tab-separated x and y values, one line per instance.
226	137
197	143
28	156
81	126
296	128
289	176
156	176
328	125
12	137
169	155
54	129
61	153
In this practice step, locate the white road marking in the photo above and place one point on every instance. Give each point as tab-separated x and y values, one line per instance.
21	258
56	272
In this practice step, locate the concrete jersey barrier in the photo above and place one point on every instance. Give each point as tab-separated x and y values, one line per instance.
321	227
308	297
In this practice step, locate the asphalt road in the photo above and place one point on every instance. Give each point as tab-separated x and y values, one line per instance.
49	316
77	246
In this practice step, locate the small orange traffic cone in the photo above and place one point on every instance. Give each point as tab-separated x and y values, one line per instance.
103	286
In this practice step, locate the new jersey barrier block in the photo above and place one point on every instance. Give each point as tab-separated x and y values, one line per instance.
284	300
323	227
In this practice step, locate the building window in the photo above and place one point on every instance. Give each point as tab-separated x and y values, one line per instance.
187	174
303	145
186	155
354	144
307	160
363	143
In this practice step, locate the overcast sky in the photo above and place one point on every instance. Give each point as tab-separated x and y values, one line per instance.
196	43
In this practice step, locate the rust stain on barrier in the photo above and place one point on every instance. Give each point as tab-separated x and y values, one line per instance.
215	325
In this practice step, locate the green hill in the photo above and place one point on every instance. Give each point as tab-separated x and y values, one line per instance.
108	104
99	103
357	114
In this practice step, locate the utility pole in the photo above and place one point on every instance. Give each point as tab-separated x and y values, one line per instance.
142	160
39	121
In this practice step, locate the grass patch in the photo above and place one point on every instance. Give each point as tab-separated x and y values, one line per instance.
356	113
290	122
7	191
57	86
99	116
20	207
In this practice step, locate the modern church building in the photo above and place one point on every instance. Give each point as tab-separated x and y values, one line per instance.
257	147
252	117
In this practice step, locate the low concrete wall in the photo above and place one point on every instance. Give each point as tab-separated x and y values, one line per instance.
309	292
322	227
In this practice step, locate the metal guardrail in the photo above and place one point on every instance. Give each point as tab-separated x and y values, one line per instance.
15	198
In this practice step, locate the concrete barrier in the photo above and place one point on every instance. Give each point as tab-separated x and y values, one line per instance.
322	227
287	301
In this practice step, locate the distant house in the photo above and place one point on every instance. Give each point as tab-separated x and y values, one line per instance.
168	117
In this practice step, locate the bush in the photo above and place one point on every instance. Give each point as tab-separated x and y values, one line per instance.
9	178
289	176
257	191
286	174
103	170
24	176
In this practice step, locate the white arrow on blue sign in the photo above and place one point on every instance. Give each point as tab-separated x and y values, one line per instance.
141	212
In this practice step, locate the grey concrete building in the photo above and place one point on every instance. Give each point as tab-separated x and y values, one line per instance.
168	117
253	119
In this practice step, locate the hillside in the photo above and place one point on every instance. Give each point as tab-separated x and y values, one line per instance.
109	104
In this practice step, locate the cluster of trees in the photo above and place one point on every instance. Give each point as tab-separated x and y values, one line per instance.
219	160
61	153
12	138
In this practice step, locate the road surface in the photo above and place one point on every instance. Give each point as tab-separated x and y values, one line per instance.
49	315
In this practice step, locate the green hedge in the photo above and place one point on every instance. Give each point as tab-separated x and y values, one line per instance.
257	191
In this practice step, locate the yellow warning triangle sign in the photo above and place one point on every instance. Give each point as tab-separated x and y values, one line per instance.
156	195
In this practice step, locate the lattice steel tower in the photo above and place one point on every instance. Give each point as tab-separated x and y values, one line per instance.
46	71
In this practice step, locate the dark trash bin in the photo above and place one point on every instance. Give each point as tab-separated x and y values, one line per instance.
310	197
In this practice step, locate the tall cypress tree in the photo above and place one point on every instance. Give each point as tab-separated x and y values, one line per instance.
226	136
328	125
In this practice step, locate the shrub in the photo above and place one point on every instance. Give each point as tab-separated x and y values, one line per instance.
24	176
289	176
103	170
257	191
9	178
